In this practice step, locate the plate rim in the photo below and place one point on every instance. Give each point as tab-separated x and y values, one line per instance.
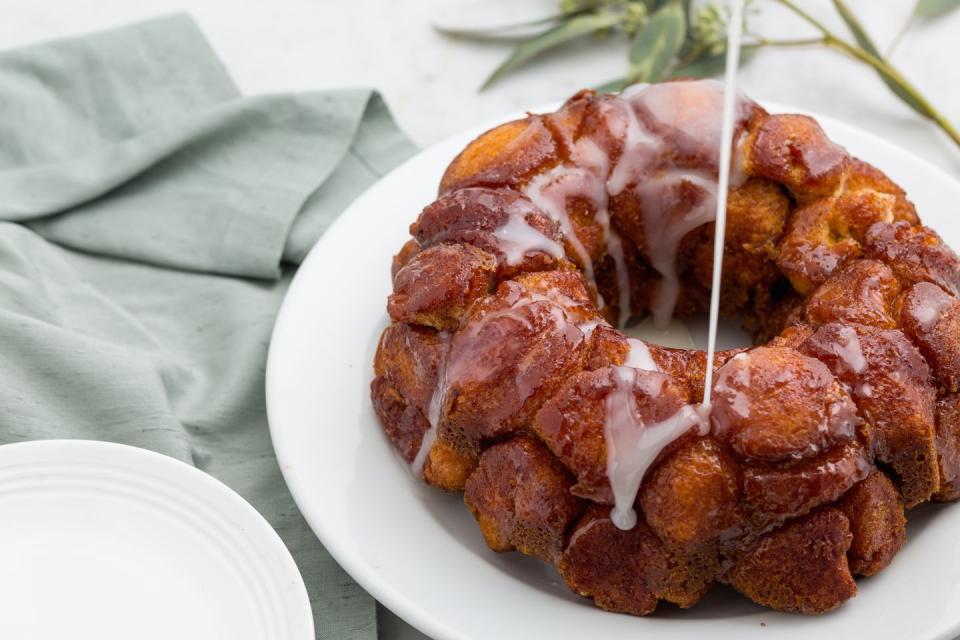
386	594
230	505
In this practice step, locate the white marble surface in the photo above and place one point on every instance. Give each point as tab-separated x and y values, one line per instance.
431	82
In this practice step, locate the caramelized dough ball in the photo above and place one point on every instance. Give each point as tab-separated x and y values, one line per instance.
862	292
756	214
773	493
875	511
864	177
607	346
915	253
932	320
438	284
794	151
403	423
513	352
506	155
948	447
409	249
793	336
889	379
824	234
629	571
800	567
520	496
572	423
691	497
478	216
408	357
565	287
774	403
814	245
447	467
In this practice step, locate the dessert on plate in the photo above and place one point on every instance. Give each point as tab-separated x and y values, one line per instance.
504	374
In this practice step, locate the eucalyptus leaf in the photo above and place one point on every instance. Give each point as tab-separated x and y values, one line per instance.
497	32
866	43
933	8
570	29
657	44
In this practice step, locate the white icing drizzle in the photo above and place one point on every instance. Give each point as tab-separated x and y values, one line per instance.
615	249
683	117
516	238
640	147
725	147
549	192
739	401
639	356
849	350
433	411
588	327
928	311
632	445
664	232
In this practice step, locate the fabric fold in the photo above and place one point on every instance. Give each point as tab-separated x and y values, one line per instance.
150	222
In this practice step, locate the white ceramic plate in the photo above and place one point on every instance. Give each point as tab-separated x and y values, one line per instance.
102	541
419	551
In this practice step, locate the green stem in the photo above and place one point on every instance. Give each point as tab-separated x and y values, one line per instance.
804	42
832	40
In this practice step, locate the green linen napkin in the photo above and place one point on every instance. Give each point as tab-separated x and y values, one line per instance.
150	218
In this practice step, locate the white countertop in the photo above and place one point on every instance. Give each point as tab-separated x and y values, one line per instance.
430	82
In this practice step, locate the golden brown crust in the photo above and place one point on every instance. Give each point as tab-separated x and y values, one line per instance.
520	495
408	358
774	404
874	509
403	423
472	216
890	386
861	292
773	493
793	150
511	355
447	467
691	498
801	567
931	318
505	155
629	571
437	285
948	447
915	253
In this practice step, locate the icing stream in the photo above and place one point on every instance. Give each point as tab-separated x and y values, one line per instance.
433	411
632	445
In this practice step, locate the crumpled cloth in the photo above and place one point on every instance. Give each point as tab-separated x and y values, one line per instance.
151	220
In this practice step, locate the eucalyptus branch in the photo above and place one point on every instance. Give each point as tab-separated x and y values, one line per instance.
803	42
677	38
884	68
